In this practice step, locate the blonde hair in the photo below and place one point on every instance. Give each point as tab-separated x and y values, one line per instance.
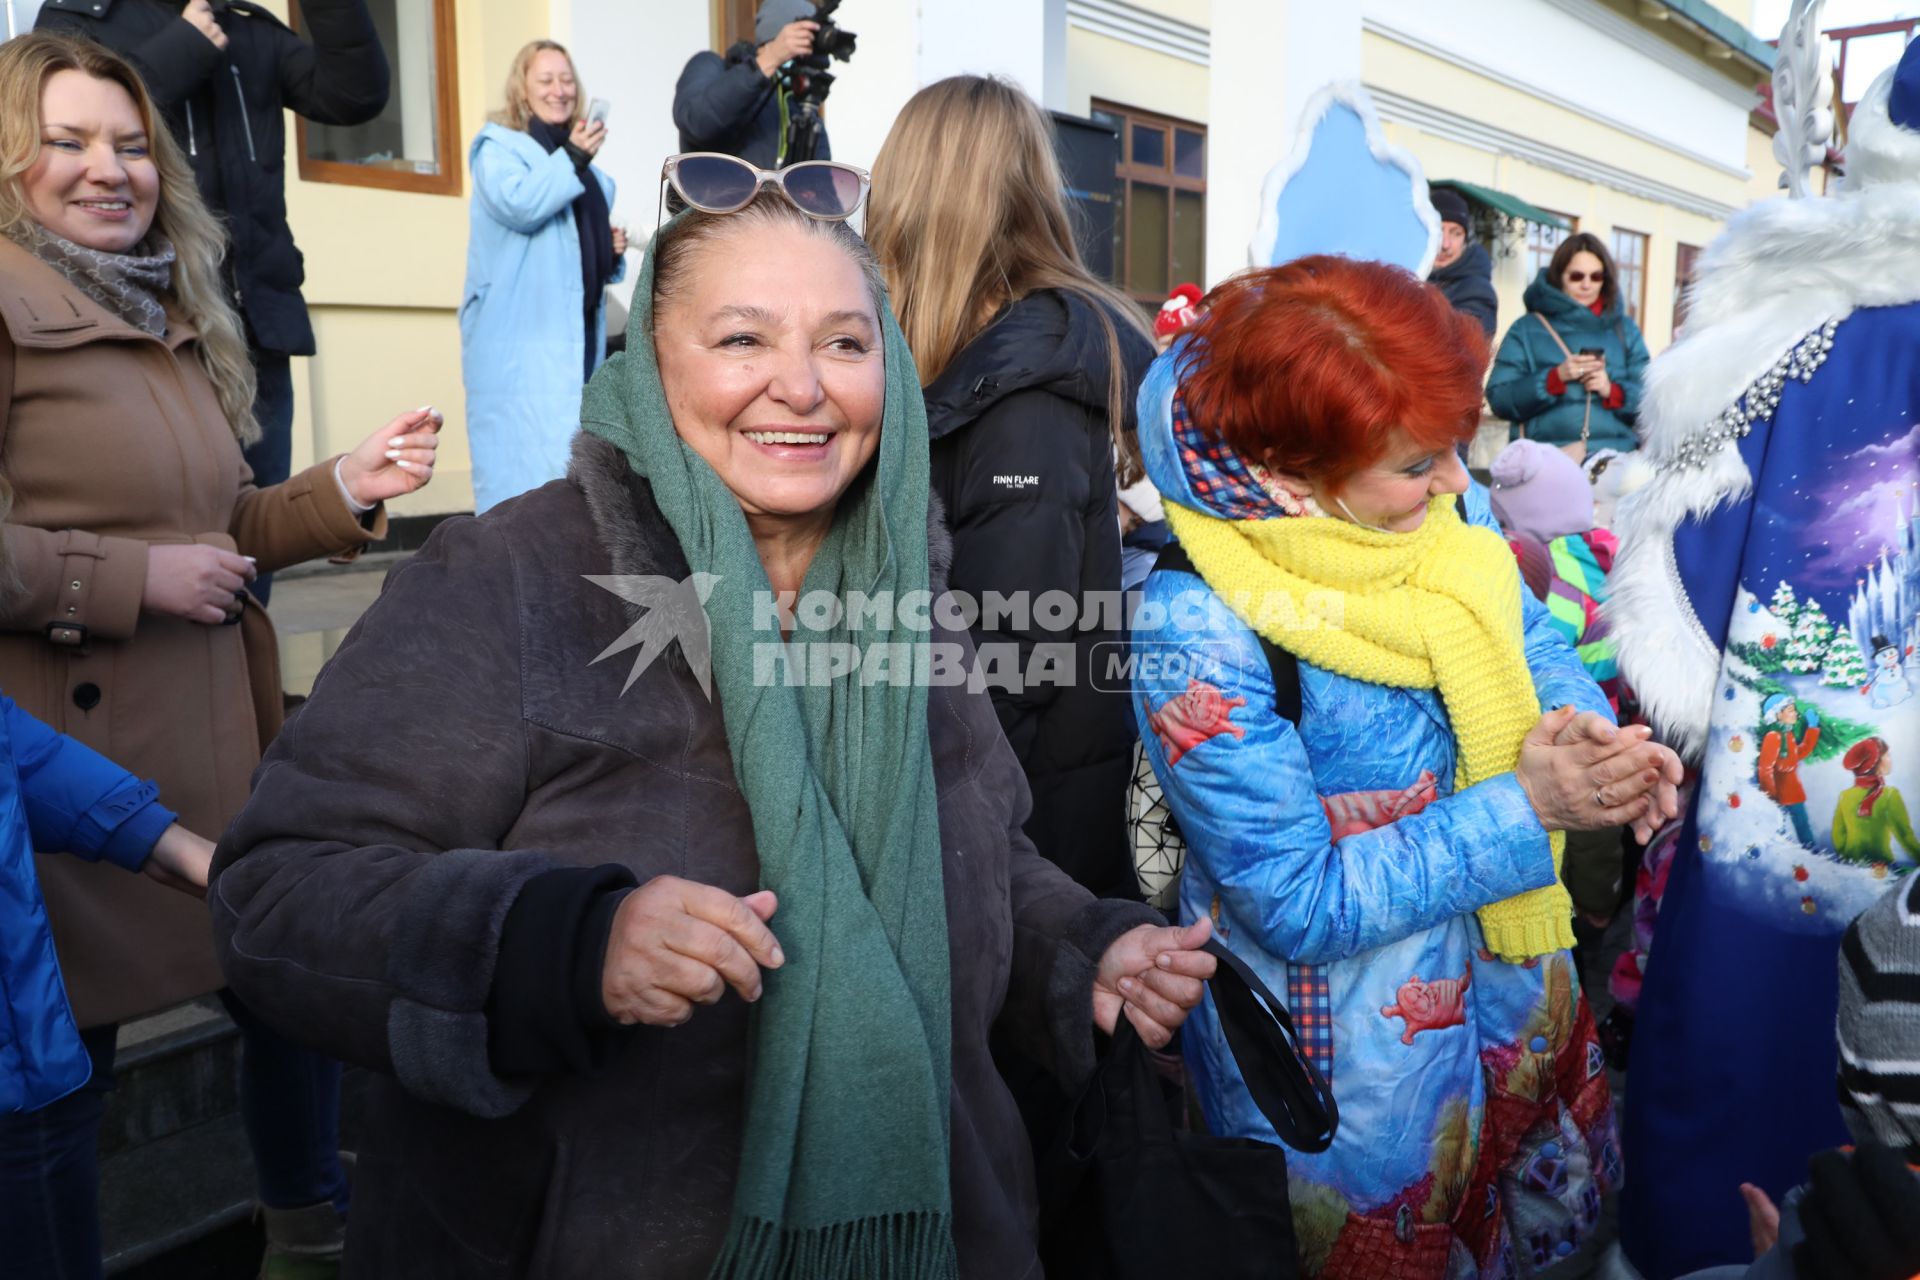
966	216
519	110
199	289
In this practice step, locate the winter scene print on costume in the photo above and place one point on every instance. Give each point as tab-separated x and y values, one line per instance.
1809	677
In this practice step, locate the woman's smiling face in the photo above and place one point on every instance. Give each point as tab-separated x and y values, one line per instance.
1393	493
94	181
770	353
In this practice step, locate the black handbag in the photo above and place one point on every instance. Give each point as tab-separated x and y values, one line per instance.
1125	1194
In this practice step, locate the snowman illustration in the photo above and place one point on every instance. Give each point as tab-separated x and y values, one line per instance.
1889	687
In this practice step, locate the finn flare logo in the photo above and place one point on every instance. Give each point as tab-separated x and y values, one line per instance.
1016	482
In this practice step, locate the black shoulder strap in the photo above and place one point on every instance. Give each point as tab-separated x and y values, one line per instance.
1285	667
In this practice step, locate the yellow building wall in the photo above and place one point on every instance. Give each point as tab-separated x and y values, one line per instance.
1599	208
1100	67
384	276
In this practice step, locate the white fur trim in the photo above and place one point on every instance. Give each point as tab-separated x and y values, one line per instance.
1780	270
1347	93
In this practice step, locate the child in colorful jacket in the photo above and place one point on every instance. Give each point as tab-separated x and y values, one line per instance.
58	796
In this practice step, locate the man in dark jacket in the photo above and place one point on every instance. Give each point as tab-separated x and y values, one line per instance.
732	104
1462	270
222	72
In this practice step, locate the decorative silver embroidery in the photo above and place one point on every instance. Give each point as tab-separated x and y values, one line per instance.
1758	402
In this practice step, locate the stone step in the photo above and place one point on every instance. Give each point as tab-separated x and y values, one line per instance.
174	1163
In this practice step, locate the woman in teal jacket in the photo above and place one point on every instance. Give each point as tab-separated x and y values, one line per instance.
540	253
1545	380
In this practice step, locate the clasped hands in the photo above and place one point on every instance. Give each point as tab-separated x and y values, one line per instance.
1581	773
676	944
1588	371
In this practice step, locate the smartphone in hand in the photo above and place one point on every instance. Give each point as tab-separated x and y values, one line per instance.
597	111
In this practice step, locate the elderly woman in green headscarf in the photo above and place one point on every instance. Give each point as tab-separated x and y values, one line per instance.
673	921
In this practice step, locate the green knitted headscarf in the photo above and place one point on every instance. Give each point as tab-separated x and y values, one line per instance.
844	1164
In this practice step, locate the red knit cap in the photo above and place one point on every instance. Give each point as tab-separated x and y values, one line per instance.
1863	757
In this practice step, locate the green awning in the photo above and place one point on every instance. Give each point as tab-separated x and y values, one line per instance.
1500	201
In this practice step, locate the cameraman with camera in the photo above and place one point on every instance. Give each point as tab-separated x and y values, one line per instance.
748	103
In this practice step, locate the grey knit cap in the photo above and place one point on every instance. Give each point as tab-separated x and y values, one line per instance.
1879	1023
775	14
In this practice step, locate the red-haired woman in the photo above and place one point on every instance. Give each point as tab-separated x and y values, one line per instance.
1383	838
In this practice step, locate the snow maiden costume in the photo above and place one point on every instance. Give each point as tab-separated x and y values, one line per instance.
1762	569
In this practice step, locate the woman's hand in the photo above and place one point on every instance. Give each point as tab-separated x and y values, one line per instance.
1157	974
1597	380
395	460
676	943
1598	776
180	860
1574	369
198	583
1663	801
588	135
619	241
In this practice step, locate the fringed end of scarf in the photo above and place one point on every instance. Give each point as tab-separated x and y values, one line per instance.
1537	923
906	1246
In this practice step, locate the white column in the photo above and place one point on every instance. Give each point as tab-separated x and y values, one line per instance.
1267	58
631	55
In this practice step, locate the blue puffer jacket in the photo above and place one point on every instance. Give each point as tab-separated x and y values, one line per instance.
55	796
1474	1116
1517	387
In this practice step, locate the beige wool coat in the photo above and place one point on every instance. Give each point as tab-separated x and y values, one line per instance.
114	441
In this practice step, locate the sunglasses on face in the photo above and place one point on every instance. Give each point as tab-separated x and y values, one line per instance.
714	183
1581	277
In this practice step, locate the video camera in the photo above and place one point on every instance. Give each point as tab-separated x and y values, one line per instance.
807	82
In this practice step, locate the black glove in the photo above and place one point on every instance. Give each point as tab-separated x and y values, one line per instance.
581	159
1861	1215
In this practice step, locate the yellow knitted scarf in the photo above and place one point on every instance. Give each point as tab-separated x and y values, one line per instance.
1435	608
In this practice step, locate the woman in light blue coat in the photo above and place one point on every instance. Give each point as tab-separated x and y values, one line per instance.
540	253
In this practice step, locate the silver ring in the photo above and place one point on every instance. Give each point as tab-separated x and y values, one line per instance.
1598	803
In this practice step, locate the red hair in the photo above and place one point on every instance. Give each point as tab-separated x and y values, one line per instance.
1309	367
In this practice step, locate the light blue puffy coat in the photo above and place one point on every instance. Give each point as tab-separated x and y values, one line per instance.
1426	1178
56	795
520	317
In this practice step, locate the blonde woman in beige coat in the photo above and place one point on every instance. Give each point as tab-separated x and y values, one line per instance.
125	394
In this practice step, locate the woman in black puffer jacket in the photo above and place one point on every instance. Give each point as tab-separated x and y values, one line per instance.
1030	365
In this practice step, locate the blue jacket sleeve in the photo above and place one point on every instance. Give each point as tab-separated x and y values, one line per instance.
1516	389
77	801
519	195
1559	677
1246	800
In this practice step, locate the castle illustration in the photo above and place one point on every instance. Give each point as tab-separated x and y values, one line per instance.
1886	601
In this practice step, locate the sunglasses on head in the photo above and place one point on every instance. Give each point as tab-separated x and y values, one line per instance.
1581	277
715	183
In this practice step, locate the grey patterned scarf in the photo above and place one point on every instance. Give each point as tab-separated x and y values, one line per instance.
130	285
